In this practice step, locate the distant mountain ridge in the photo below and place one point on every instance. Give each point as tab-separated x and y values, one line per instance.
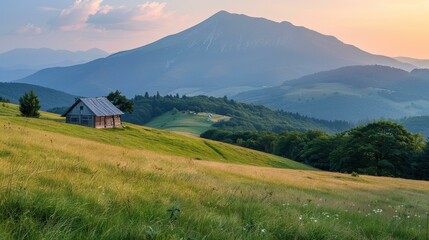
421	63
350	93
32	58
224	55
22	62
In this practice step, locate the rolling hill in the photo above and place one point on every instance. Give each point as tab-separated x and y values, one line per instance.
186	121
61	181
350	93
49	98
21	62
224	55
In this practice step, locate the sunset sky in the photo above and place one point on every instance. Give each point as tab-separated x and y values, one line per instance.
388	27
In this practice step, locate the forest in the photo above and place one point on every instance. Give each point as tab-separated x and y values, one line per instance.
380	148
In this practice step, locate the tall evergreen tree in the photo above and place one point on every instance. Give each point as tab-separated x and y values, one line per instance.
29	105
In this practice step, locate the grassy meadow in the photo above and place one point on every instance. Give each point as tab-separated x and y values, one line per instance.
59	181
186	122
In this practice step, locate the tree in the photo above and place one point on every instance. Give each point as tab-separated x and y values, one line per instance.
121	102
29	105
421	165
290	145
382	148
317	151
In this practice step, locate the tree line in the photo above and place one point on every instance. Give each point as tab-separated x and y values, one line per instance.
381	148
3	100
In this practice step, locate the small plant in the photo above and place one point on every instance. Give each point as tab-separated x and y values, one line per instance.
153	233
174	212
355	174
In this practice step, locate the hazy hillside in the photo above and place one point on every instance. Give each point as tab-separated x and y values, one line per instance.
63	181
8	75
421	63
350	93
224	55
418	124
49	98
22	62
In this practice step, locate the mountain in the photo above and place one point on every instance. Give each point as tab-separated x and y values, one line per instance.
226	54
8	75
350	93
49	98
421	63
22	62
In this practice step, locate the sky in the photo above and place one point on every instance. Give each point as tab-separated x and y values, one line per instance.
386	27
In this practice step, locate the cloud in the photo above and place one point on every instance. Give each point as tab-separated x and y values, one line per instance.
141	17
92	14
76	16
30	29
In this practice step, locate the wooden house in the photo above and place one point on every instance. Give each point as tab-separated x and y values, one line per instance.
94	112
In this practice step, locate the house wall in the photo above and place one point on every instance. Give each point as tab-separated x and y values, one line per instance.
81	109
108	122
84	120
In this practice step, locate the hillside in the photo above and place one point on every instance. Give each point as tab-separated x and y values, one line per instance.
224	55
350	93
8	75
49	98
186	121
420	63
242	116
419	124
70	182
137	137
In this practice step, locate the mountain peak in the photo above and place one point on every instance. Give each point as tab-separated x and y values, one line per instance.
222	13
220	56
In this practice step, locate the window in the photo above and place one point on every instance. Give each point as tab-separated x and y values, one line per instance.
86	121
81	108
74	119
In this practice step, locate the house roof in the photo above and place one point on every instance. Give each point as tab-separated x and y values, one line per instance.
100	106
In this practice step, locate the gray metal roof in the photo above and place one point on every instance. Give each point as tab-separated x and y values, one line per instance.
100	106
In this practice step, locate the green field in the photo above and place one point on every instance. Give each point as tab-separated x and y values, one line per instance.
186	122
59	181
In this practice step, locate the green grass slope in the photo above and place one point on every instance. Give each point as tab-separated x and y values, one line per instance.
186	122
59	181
143	138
